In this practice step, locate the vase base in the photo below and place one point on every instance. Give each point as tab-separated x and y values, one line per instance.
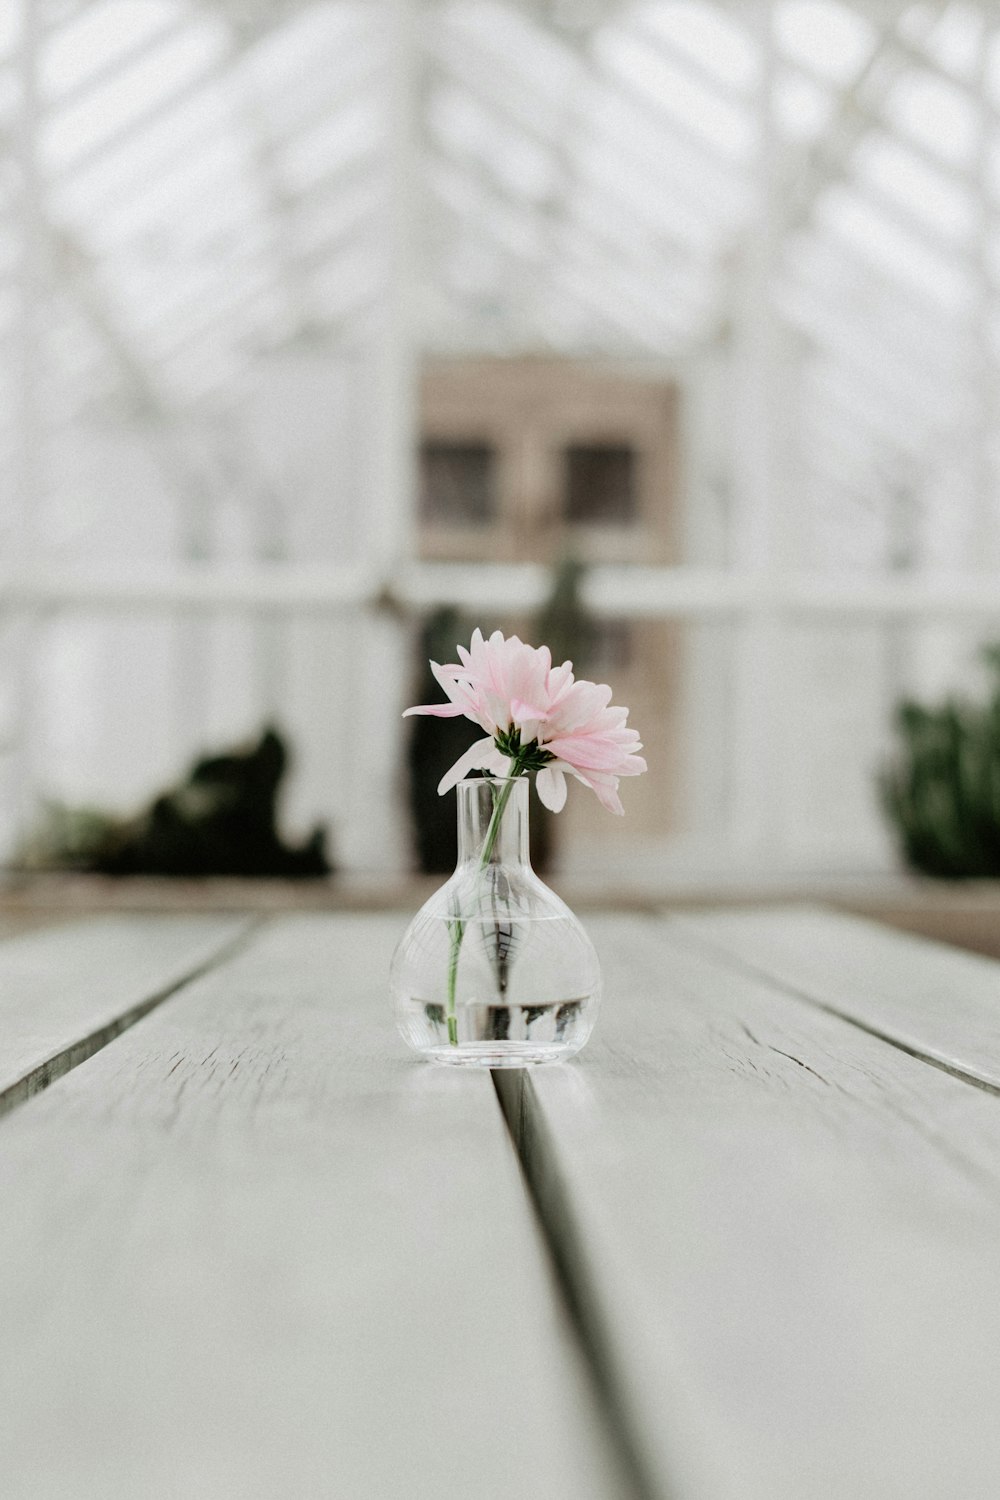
492	1055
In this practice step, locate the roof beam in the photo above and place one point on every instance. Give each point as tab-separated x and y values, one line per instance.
277	198
806	174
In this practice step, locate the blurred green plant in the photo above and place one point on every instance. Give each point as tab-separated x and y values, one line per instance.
219	819
942	791
564	624
65	838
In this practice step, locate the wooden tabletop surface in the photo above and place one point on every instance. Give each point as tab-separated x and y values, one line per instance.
745	1247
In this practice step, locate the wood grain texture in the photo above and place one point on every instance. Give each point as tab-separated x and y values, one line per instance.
931	999
254	1248
784	1231
66	991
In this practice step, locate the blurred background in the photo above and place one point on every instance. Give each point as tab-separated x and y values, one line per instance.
665	331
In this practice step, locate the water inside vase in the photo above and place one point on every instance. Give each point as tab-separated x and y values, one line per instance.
512	1004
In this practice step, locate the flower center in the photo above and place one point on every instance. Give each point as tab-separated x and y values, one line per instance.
526	758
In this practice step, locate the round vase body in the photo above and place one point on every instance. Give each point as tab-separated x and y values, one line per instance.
495	970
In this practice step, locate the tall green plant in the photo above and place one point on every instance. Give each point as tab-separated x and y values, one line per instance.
564	622
942	791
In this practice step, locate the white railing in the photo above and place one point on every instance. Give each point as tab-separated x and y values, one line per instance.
627	591
374	604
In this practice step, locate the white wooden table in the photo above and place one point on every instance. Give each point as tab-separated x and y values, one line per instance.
746	1247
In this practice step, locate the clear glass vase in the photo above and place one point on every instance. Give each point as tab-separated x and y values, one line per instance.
494	970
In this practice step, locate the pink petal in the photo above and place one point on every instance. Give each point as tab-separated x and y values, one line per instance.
439	710
634	765
560	681
529	719
588	753
578	705
446	677
608	797
604	787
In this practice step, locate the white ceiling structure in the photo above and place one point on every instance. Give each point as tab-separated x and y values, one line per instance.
209	180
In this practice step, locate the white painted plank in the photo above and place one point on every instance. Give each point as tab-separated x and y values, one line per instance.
66	991
256	1249
786	1233
932	999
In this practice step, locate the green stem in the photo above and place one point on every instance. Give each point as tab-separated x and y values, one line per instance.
457	927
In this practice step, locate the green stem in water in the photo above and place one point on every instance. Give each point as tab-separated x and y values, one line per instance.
457	927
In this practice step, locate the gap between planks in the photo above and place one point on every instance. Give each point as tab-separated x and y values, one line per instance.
563	1239
698	943
67	1058
563	1243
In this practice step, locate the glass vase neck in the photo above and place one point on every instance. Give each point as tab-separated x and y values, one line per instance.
493	821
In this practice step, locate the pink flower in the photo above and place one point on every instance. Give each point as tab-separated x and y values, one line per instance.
537	718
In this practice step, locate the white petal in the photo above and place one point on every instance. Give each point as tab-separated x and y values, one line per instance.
551	784
498	763
472	760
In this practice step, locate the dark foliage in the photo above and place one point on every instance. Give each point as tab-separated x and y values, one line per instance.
220	819
434	745
942	792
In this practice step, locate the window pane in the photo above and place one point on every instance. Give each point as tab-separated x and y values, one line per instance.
457	482
600	483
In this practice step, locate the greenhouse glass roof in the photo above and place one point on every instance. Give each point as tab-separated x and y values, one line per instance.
581	176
